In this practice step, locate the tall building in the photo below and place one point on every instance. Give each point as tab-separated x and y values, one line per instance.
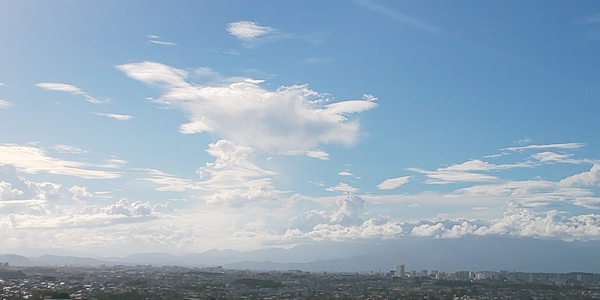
399	271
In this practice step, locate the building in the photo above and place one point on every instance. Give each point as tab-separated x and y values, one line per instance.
399	271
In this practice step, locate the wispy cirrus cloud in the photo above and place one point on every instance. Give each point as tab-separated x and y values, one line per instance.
155	39
5	104
546	146
33	160
290	120
476	170
566	158
71	89
404	18
252	34
115	116
166	182
69	149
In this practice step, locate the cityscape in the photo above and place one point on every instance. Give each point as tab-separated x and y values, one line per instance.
174	282
268	149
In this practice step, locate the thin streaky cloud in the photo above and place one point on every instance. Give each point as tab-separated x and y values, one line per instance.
318	154
155	39
444	176
406	19
253	35
115	116
590	19
163	43
71	89
392	183
548	146
5	104
34	160
345	173
69	149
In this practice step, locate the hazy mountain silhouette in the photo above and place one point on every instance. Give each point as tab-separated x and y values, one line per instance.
57	260
470	253
16	260
475	253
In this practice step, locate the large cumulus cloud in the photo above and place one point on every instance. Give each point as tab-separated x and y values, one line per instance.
289	120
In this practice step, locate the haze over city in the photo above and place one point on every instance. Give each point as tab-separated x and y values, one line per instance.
181	127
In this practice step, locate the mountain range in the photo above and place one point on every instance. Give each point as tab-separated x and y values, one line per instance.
473	253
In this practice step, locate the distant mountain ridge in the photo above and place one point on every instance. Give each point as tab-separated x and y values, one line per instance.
471	253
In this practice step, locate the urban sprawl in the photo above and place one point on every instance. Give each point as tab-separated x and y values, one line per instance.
172	282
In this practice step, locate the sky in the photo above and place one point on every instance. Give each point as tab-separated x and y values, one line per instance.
185	126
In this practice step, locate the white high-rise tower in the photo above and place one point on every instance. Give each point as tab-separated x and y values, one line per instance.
399	271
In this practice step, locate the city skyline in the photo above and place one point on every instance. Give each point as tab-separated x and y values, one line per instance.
185	127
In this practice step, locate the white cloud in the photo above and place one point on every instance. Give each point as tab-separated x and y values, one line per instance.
466	172
519	223
523	141
32	160
351	210
5	104
113	163
69	149
233	177
246	30
315	60
167	182
155	40
542	193
392	183
7	192
583	179
308	220
93	216
115	116
371	229
71	89
478	165
253	35
23	195
547	146
552	157
290	120
369	97
442	176
80	194
342	187
322	155
345	173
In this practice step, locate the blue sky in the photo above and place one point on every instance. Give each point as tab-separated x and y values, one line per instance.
181	127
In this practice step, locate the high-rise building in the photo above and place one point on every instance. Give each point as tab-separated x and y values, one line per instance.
399	271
